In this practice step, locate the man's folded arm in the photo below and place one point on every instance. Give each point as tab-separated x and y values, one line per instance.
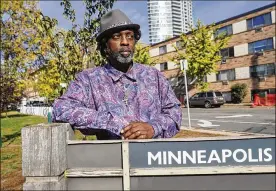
75	107
168	122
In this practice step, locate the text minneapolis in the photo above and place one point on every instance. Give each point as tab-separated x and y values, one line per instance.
208	157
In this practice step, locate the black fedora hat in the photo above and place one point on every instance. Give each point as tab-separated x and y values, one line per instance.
115	20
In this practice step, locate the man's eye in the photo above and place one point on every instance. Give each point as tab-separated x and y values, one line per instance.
130	36
116	36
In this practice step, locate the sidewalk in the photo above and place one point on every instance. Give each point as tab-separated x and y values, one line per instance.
245	105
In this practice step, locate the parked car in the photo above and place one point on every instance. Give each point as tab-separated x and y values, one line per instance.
207	99
37	104
12	107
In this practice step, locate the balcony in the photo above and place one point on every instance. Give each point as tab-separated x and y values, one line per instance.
176	19
176	9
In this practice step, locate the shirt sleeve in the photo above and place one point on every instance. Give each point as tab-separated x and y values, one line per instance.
76	108
167	123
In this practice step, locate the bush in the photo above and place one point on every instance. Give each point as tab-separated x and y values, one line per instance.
238	91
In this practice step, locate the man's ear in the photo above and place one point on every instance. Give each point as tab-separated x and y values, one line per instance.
107	49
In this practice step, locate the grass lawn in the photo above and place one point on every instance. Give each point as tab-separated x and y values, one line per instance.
11	161
11	174
194	134
11	171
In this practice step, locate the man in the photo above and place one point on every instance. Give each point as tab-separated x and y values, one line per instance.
121	99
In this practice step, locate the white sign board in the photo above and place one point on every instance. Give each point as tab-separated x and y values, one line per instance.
183	64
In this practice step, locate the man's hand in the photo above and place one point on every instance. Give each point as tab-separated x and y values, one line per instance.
138	130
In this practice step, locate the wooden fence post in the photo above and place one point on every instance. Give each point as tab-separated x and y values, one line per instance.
44	155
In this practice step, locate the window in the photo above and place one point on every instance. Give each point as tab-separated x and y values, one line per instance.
227	52
218	94
262	70
195	96
226	75
163	49
258	21
261	45
272	91
164	66
210	94
179	44
226	30
201	95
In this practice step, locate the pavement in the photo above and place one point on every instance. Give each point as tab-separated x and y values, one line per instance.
259	120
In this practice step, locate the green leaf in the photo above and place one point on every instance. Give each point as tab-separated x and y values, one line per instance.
200	51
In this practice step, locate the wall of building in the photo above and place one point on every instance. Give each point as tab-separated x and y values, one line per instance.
242	60
253	83
248	60
251	36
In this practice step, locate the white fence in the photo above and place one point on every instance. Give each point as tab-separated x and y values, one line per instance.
41	111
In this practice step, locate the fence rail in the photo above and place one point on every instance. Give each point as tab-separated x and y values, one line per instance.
40	111
53	160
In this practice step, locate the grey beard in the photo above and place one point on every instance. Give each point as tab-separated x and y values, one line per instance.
121	59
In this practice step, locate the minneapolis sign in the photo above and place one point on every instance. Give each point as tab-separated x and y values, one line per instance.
244	152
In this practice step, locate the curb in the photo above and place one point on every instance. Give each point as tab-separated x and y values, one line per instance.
237	105
243	106
248	105
225	133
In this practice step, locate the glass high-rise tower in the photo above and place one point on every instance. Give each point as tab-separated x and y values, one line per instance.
168	18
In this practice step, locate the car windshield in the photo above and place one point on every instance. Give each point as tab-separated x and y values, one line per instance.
194	96
218	93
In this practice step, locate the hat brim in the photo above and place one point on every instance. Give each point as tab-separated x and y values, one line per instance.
117	28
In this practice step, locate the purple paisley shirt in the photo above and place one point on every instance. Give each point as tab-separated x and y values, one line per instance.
95	102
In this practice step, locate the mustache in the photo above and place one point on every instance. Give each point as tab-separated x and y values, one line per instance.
125	50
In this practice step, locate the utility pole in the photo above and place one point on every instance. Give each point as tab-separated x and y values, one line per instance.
184	67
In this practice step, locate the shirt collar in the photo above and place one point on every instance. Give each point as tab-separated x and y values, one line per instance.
116	74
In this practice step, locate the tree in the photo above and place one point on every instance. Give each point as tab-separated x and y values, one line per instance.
20	47
168	37
201	51
85	35
71	50
48	81
34	48
18	34
238	92
141	55
11	90
61	64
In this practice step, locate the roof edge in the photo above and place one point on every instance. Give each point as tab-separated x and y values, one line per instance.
224	21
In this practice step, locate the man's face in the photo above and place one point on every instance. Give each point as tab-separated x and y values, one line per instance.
121	46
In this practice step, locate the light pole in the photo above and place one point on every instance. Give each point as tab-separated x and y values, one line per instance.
184	67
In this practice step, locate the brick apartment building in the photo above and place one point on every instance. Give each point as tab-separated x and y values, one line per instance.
249	57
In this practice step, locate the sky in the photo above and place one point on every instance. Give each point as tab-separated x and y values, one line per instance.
207	11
